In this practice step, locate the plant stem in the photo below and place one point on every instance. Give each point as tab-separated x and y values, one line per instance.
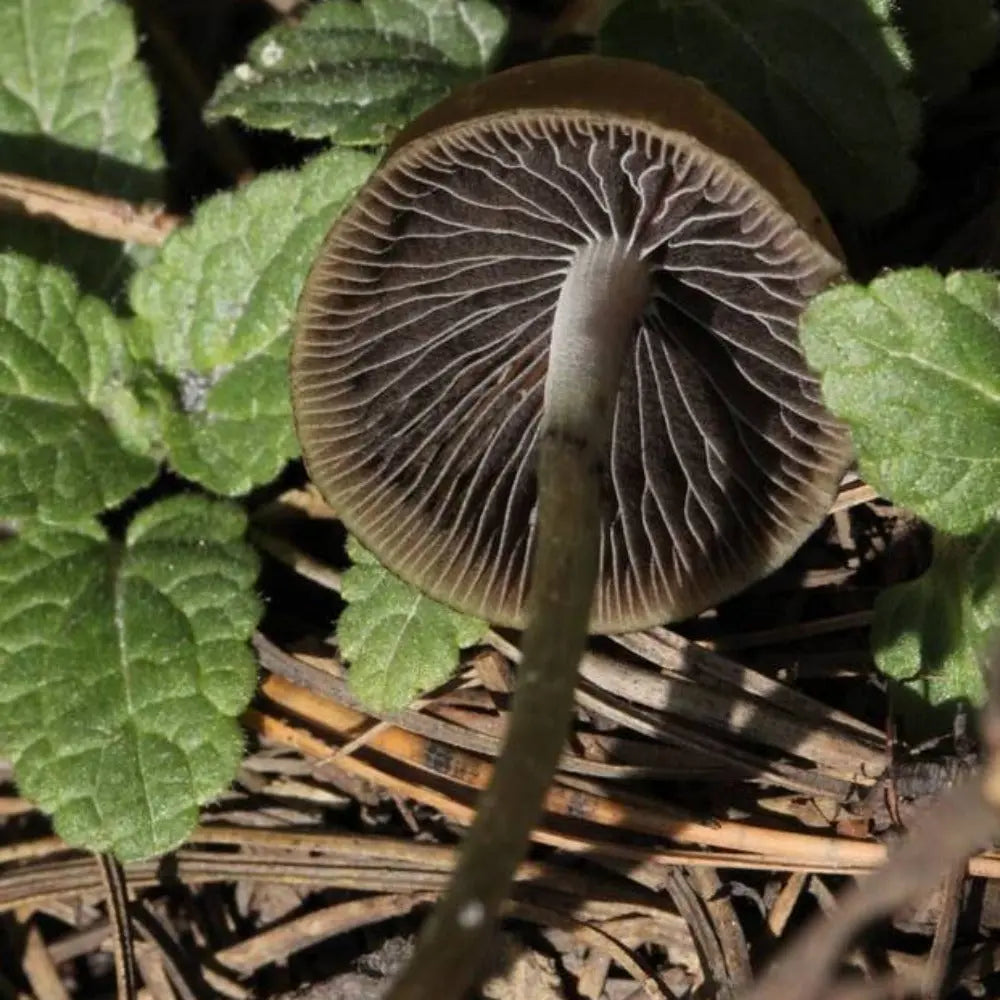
602	296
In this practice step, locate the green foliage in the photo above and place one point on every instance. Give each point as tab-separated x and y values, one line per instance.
825	82
930	634
948	41
124	666
73	436
357	73
124	662
216	310
399	643
76	107
912	363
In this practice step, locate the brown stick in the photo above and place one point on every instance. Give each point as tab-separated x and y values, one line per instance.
99	215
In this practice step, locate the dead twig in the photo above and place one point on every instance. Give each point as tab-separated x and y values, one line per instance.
96	214
277	943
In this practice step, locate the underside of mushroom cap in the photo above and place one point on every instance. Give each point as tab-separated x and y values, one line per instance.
639	92
422	348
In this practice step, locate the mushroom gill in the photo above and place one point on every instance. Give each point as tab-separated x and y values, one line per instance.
546	368
424	343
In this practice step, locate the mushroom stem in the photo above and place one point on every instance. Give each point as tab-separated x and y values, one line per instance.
602	297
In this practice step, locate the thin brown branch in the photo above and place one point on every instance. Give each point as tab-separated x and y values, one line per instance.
96	214
277	943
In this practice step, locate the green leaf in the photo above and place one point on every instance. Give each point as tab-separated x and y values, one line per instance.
948	41
357	73
912	363
825	82
74	439
123	668
215	314
399	643
930	634
76	107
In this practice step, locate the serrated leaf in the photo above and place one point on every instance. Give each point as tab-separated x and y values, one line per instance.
122	670
74	439
357	73
76	107
912	363
399	643
216	310
948	41
930	634
825	82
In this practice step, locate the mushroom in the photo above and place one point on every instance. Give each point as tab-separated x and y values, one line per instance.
546	368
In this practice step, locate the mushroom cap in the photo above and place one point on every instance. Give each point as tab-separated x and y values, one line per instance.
421	346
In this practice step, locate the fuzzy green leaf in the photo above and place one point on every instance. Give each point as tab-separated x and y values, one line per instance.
123	668
912	363
357	73
215	313
825	82
948	41
74	439
399	643
76	107
930	634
